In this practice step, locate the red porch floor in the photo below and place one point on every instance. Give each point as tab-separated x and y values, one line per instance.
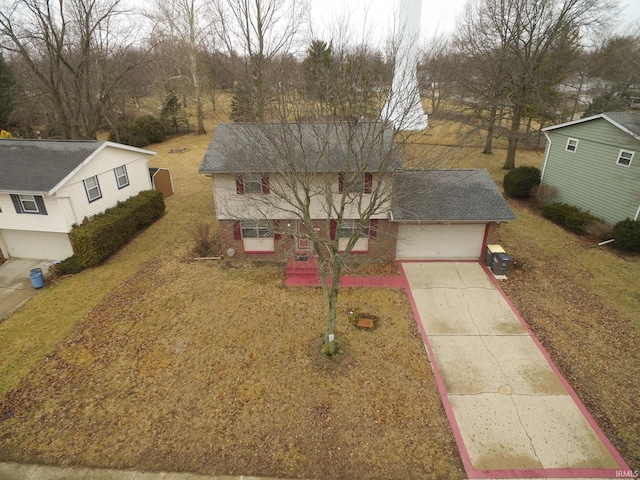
302	271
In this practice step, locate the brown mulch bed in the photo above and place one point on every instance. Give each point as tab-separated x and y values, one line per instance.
188	366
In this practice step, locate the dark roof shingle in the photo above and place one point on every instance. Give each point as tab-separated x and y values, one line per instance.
629	120
39	165
282	147
448	196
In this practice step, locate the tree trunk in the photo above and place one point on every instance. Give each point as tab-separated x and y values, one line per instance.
514	133
491	125
331	300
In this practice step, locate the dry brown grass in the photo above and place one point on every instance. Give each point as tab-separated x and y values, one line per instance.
164	363
171	364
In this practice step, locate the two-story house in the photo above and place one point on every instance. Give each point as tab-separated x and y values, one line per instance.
262	173
47	186
591	163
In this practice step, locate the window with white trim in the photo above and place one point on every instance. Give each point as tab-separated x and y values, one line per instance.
349	227
572	145
28	203
256	229
257	236
122	178
625	157
252	182
92	187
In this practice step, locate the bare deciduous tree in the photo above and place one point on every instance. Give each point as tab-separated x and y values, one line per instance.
327	179
179	26
76	52
261	30
522	47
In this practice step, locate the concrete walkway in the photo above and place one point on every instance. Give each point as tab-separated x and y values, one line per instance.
512	413
16	471
15	284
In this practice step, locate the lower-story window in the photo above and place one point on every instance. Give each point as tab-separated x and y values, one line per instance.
257	236
349	228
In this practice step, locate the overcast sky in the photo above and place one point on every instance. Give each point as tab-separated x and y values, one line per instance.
438	16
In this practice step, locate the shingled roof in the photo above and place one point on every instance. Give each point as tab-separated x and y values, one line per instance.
628	121
282	147
464	195
38	166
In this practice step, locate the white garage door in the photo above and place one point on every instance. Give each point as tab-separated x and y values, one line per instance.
44	245
454	242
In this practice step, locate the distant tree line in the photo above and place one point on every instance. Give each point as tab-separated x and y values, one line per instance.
73	67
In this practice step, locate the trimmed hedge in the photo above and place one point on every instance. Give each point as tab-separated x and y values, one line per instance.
627	235
98	238
519	181
570	217
67	266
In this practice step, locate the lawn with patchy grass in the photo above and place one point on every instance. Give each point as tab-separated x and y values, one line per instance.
166	363
155	361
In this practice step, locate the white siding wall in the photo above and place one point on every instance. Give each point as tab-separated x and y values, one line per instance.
230	205
54	221
44	236
103	166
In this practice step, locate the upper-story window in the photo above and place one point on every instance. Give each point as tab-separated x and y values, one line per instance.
122	178
28	203
362	183
625	157
24	203
92	187
572	144
252	183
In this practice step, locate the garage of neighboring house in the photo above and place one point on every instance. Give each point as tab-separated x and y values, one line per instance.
446	214
22	244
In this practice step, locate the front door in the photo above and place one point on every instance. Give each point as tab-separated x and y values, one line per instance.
304	244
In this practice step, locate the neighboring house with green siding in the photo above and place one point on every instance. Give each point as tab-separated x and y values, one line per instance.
594	164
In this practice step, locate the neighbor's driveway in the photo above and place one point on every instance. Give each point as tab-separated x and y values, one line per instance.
511	411
15	284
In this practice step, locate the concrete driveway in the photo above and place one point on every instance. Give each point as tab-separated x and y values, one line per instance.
15	283
512	413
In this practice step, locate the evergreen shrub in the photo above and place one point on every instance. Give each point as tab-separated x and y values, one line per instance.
519	181
99	237
627	235
569	216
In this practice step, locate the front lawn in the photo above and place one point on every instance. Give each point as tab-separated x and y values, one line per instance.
155	361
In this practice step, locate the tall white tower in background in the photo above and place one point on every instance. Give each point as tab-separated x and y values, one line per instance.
403	106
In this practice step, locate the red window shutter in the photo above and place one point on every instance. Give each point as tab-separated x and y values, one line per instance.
333	228
239	185
340	182
237	231
276	229
373	228
368	182
265	184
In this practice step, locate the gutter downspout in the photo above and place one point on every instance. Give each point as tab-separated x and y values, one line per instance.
546	157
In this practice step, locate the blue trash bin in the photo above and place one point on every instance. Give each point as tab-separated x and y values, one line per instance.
37	279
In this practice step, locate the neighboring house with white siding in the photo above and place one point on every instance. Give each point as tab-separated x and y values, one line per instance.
439	214
47	186
594	164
